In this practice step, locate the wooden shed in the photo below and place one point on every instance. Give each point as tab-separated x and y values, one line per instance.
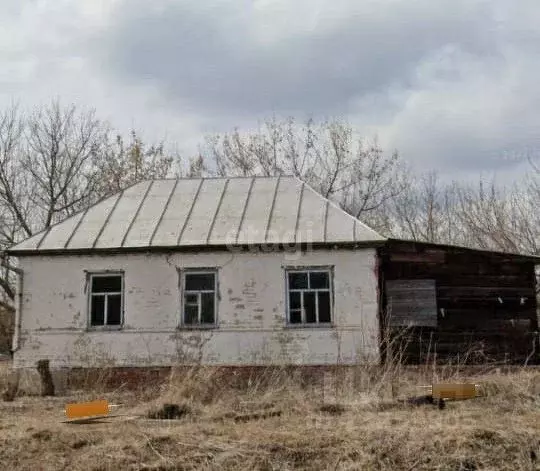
441	302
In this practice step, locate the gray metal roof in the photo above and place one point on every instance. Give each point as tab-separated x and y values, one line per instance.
204	212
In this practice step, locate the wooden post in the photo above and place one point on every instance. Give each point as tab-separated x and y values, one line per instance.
47	384
12	388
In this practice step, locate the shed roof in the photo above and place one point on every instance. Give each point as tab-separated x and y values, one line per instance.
392	243
196	212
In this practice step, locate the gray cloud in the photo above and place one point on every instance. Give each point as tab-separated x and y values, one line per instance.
485	119
451	84
229	57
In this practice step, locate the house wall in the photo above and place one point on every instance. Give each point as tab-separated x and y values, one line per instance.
251	312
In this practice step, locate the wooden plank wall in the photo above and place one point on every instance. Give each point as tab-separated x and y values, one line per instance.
486	304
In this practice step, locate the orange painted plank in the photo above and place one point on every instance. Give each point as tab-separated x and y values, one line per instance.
453	391
87	409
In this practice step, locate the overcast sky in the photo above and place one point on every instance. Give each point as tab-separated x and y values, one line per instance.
453	85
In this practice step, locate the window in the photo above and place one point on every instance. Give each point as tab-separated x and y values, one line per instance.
200	298
106	299
412	303
309	296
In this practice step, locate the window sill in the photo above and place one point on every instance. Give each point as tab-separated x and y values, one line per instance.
328	325
107	328
198	327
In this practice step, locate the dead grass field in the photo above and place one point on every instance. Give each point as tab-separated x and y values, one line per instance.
280	424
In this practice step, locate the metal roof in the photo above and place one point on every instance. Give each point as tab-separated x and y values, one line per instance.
198	212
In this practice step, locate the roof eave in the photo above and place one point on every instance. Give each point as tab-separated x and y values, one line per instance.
305	246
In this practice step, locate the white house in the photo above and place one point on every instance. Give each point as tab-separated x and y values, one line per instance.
223	271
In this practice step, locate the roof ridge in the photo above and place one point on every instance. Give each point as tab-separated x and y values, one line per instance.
336	206
234	177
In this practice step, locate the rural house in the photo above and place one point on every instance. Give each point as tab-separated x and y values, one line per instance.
229	271
255	271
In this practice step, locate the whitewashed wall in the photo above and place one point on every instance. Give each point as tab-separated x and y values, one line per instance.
251	312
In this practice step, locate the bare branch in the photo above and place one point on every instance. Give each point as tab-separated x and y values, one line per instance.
327	155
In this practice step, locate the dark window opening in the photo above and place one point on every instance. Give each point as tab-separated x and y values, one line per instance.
106	284
324	306
200	281
309	297
106	300
298	280
200	298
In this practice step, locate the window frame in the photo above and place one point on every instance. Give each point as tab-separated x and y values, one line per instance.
100	274
309	269
198	271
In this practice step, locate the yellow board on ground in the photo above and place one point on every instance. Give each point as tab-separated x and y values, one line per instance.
454	391
87	410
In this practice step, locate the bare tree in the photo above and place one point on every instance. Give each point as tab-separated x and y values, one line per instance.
423	211
504	219
14	210
121	163
45	167
329	156
533	187
483	215
56	160
58	154
197	167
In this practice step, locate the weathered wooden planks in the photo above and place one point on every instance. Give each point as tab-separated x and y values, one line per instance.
412	302
485	302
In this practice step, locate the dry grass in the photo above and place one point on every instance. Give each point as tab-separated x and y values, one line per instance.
275	422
